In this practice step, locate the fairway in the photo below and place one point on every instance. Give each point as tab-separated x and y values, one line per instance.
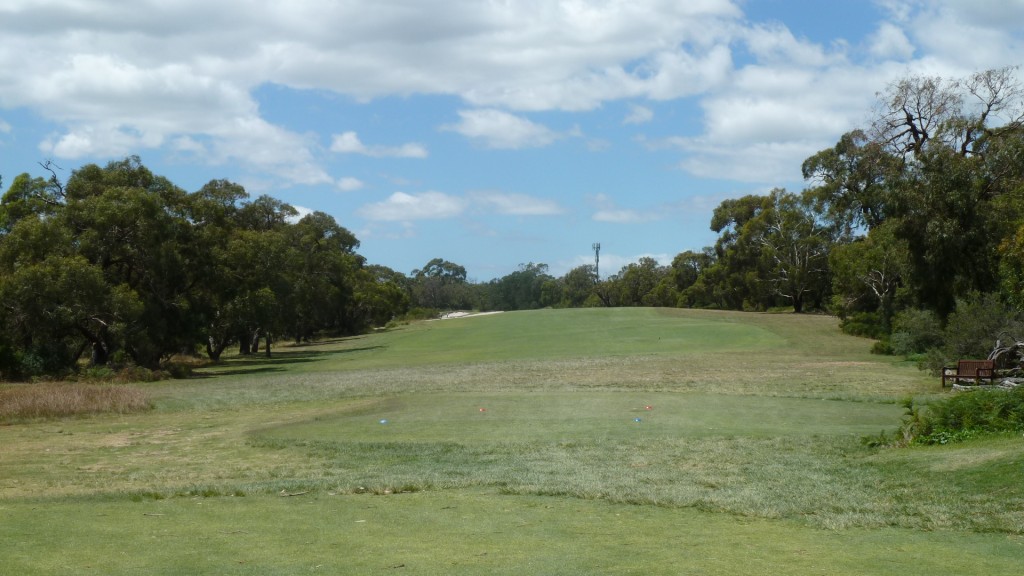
482	418
625	441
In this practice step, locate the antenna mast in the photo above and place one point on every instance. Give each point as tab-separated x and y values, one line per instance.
597	260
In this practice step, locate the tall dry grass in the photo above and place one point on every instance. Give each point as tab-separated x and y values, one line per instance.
59	400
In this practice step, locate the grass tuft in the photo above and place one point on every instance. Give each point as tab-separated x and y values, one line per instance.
49	401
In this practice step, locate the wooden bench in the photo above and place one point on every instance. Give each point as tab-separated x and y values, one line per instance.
974	370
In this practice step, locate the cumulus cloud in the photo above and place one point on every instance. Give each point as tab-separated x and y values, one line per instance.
889	41
966	36
499	129
301	212
116	81
403	207
349	143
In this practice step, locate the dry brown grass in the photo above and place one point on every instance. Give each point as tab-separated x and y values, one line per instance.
59	400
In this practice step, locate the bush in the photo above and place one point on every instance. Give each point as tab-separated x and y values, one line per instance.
915	331
958	418
980	410
867	324
979	319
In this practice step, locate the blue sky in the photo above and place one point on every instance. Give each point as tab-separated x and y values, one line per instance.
487	132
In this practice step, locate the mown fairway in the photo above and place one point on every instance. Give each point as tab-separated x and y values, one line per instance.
625	441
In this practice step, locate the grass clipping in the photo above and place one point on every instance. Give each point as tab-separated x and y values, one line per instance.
35	401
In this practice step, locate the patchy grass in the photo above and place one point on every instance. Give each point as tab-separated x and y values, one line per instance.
49	401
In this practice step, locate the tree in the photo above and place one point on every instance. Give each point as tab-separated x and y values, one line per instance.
441	284
637	281
578	285
868	273
852	183
57	307
522	289
794	246
950	134
735	280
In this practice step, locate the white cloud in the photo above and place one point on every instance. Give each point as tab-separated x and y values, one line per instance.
349	184
889	42
5	128
116	81
776	44
302	212
498	129
774	163
256	143
516	204
638	115
403	207
963	37
349	143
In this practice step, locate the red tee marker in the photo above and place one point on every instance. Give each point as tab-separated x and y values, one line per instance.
648	407
483	409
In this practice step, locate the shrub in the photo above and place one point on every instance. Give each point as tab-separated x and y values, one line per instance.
958	418
867	324
915	331
981	410
973	328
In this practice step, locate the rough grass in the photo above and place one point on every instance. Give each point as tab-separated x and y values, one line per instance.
48	401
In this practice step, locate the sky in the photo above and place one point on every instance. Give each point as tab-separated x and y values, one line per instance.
489	133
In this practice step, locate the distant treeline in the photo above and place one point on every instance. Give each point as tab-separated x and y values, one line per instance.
911	231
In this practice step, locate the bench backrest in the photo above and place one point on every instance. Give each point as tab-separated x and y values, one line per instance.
970	368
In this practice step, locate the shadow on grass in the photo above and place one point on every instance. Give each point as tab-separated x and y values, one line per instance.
277	362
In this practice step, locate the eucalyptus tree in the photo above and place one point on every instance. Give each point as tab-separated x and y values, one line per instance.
441	284
578	286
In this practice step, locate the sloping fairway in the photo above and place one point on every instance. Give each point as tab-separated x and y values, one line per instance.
571	416
625	441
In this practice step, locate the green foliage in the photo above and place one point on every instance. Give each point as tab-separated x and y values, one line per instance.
957	418
979	319
916	331
528	288
120	264
986	411
865	324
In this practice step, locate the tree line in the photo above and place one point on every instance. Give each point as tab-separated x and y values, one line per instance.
120	265
911	230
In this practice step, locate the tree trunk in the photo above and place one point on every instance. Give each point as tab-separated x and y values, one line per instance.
245	345
100	354
268	344
214	348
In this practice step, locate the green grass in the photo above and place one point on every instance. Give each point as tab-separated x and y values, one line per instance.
461	533
748	460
